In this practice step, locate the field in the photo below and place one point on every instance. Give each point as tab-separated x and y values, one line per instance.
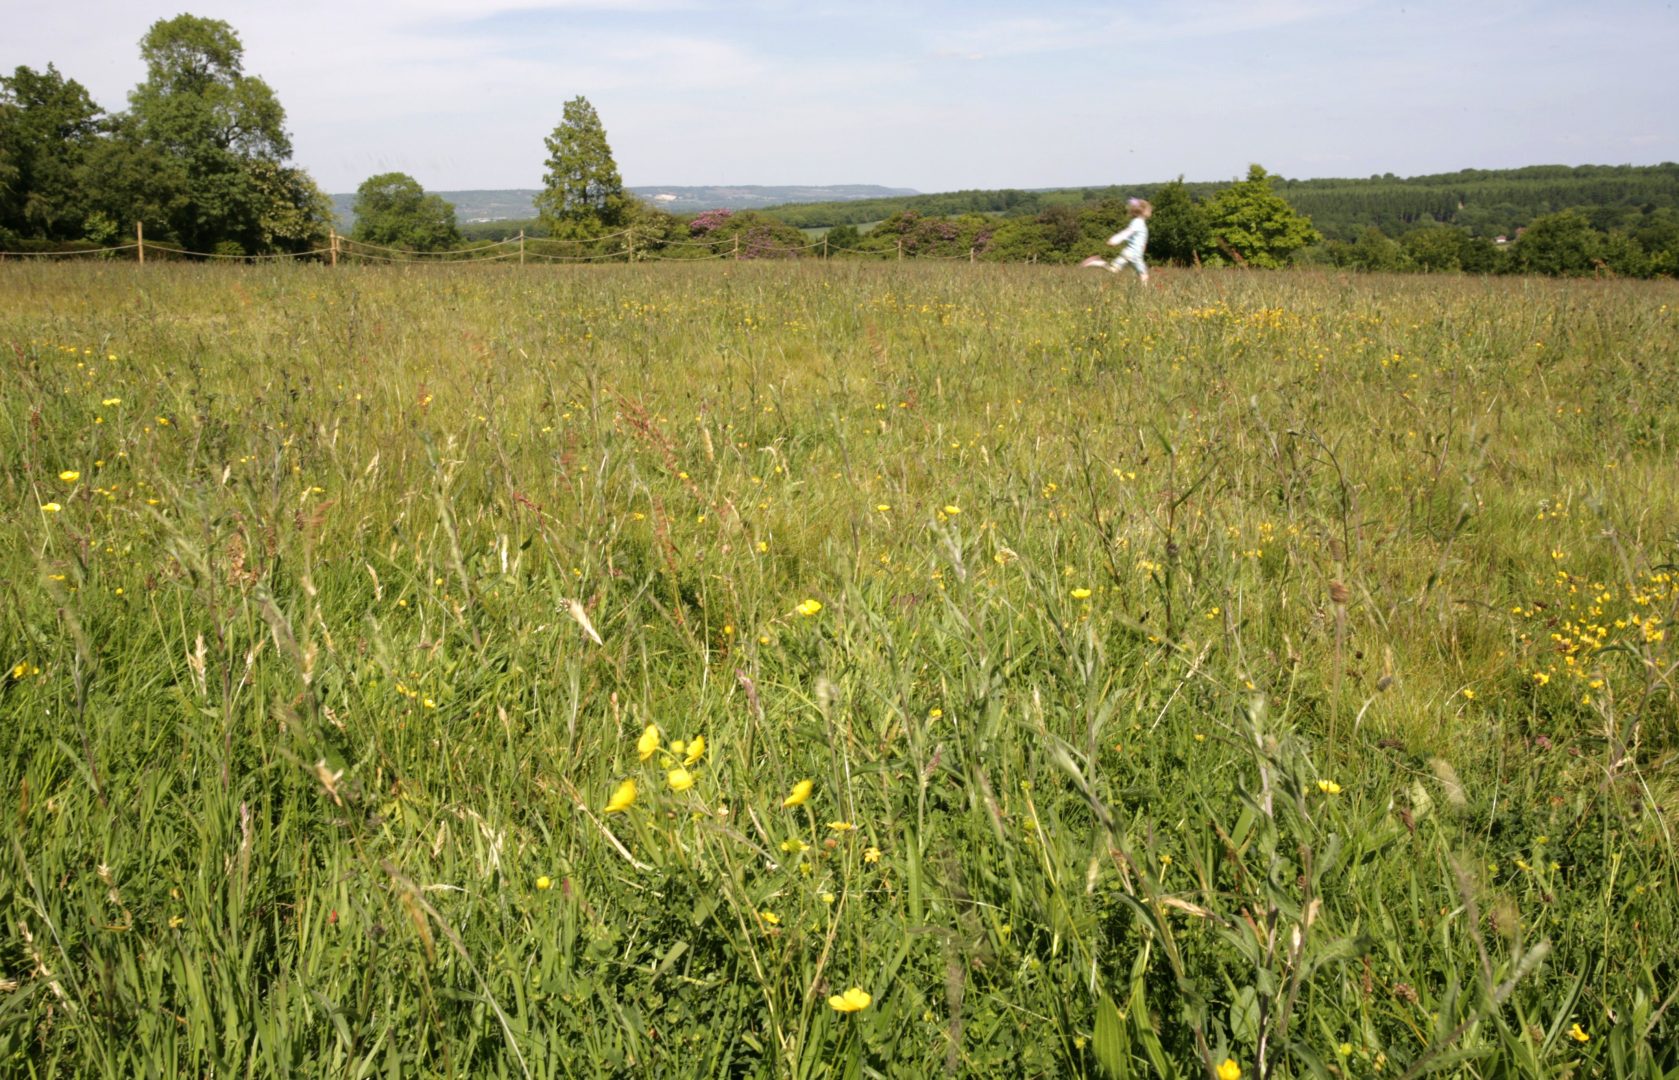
1020	673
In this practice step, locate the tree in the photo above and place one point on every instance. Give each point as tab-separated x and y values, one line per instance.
1436	247
1254	224
582	195
841	238
1561	243
393	210
1375	251
48	126
1177	231
224	131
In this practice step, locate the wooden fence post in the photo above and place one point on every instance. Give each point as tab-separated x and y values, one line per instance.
521	247
970	254
737	245
900	247
824	245
140	240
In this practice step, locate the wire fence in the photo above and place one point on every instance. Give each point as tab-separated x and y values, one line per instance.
624	245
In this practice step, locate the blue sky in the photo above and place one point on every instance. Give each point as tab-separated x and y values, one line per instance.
934	96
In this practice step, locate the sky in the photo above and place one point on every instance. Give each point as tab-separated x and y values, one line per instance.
936	96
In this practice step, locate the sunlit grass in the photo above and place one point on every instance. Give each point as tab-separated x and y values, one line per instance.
1272	668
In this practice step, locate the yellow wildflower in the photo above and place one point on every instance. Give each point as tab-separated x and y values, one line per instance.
648	744
871	855
842	826
799	795
622	797
680	779
70	476
543	883
807	608
952	509
696	750
1229	1070
1081	594
853	1000
1329	787
50	508
1578	1034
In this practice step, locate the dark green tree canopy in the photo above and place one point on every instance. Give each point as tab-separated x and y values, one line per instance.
393	210
48	126
582	192
1177	232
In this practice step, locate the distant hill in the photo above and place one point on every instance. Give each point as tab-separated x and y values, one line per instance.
517	204
1487	202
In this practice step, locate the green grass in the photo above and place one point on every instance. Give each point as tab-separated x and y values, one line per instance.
1277	668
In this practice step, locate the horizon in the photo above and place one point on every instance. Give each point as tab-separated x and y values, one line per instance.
1085	186
935	96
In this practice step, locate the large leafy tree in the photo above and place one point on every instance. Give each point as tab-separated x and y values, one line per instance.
1561	243
392	209
223	134
1177	231
48	127
1254	225
582	194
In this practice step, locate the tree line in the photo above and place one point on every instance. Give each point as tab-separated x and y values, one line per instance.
201	156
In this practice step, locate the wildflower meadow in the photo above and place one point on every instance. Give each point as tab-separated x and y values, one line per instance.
836	670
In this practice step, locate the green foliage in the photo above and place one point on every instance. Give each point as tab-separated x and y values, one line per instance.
224	132
1315	713
1253	225
583	195
842	238
48	125
200	156
392	210
1178	231
1559	244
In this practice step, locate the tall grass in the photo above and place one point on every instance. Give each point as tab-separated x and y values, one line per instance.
1267	669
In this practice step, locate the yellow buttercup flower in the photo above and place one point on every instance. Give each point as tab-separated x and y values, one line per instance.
1329	787
952	509
622	797
842	826
1578	1034
680	779
696	750
1229	1070
648	744
799	795
807	608
69	476
853	1000
871	855
1081	594
50	508
544	883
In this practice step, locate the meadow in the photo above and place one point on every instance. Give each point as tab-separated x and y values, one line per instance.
836	670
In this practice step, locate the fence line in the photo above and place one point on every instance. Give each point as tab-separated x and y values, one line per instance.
520	247
58	254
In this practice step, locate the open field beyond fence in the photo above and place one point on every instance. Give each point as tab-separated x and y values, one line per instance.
1020	673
